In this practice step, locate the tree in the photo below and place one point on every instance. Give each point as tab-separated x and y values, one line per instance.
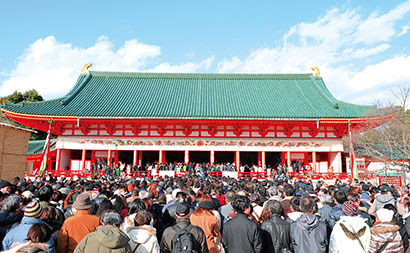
388	141
28	96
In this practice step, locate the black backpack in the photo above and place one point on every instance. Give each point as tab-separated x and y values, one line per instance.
183	240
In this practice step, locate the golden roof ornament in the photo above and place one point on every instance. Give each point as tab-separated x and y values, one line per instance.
317	71
85	69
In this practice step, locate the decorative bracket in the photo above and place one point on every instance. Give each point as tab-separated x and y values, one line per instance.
85	128
187	128
237	129
161	128
263	129
288	129
57	128
136	128
109	127
340	130
212	128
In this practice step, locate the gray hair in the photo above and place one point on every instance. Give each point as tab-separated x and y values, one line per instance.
11	203
112	218
273	191
144	194
326	199
229	196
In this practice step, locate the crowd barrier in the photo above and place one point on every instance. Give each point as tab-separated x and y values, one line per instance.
257	175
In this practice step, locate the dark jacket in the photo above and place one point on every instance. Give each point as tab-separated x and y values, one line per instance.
308	234
335	215
107	238
197	232
241	234
280	234
7	220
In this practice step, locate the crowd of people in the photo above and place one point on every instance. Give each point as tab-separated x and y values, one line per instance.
197	213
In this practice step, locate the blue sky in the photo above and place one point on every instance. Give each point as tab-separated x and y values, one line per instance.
361	47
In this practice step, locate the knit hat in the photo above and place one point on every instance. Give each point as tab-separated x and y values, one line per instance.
350	208
82	202
385	215
33	210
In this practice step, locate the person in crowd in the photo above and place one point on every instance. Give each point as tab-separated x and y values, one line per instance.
308	233
278	228
193	236
324	210
227	209
45	194
351	233
76	227
205	219
32	213
337	211
142	236
241	234
381	199
5	187
38	235
385	234
8	214
107	238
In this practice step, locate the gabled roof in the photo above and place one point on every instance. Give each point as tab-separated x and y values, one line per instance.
36	147
195	96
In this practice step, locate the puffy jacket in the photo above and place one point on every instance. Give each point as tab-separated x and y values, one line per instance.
335	215
19	234
383	232
7	220
280	234
308	234
241	234
107	238
144	237
350	234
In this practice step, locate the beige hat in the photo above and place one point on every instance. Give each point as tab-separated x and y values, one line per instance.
82	202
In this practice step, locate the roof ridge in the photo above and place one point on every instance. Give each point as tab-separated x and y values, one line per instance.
202	75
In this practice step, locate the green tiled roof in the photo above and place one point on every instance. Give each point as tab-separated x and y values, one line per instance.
195	96
36	147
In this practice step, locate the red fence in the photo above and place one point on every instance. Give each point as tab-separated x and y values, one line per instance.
257	175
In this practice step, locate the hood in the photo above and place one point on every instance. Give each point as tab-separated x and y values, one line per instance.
7	218
308	221
141	234
111	237
353	226
294	216
384	199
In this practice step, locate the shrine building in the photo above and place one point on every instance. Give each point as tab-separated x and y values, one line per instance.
140	118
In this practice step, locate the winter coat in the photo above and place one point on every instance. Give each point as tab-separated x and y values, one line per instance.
35	248
280	234
241	234
308	234
197	232
74	229
7	220
335	215
19	234
225	210
144	238
350	234
324	213
383	232
209	224
105	239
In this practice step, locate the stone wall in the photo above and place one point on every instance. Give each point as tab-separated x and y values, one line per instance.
13	151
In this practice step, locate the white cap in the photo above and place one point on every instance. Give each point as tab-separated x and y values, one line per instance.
28	194
175	192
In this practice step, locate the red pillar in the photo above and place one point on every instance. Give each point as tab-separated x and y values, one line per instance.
140	158
116	157
109	158
83	157
237	160
259	158
135	158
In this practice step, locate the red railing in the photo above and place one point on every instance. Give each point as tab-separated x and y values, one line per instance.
140	173
257	175
216	173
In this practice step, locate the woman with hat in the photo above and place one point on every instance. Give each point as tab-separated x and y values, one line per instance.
205	219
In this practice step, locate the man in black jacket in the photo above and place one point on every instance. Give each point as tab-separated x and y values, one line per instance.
278	229
241	234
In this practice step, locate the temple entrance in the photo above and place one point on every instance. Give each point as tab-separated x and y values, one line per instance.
224	157
199	156
149	157
126	157
249	158
273	159
175	156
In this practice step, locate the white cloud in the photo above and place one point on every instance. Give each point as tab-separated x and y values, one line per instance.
342	44
51	67
404	30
